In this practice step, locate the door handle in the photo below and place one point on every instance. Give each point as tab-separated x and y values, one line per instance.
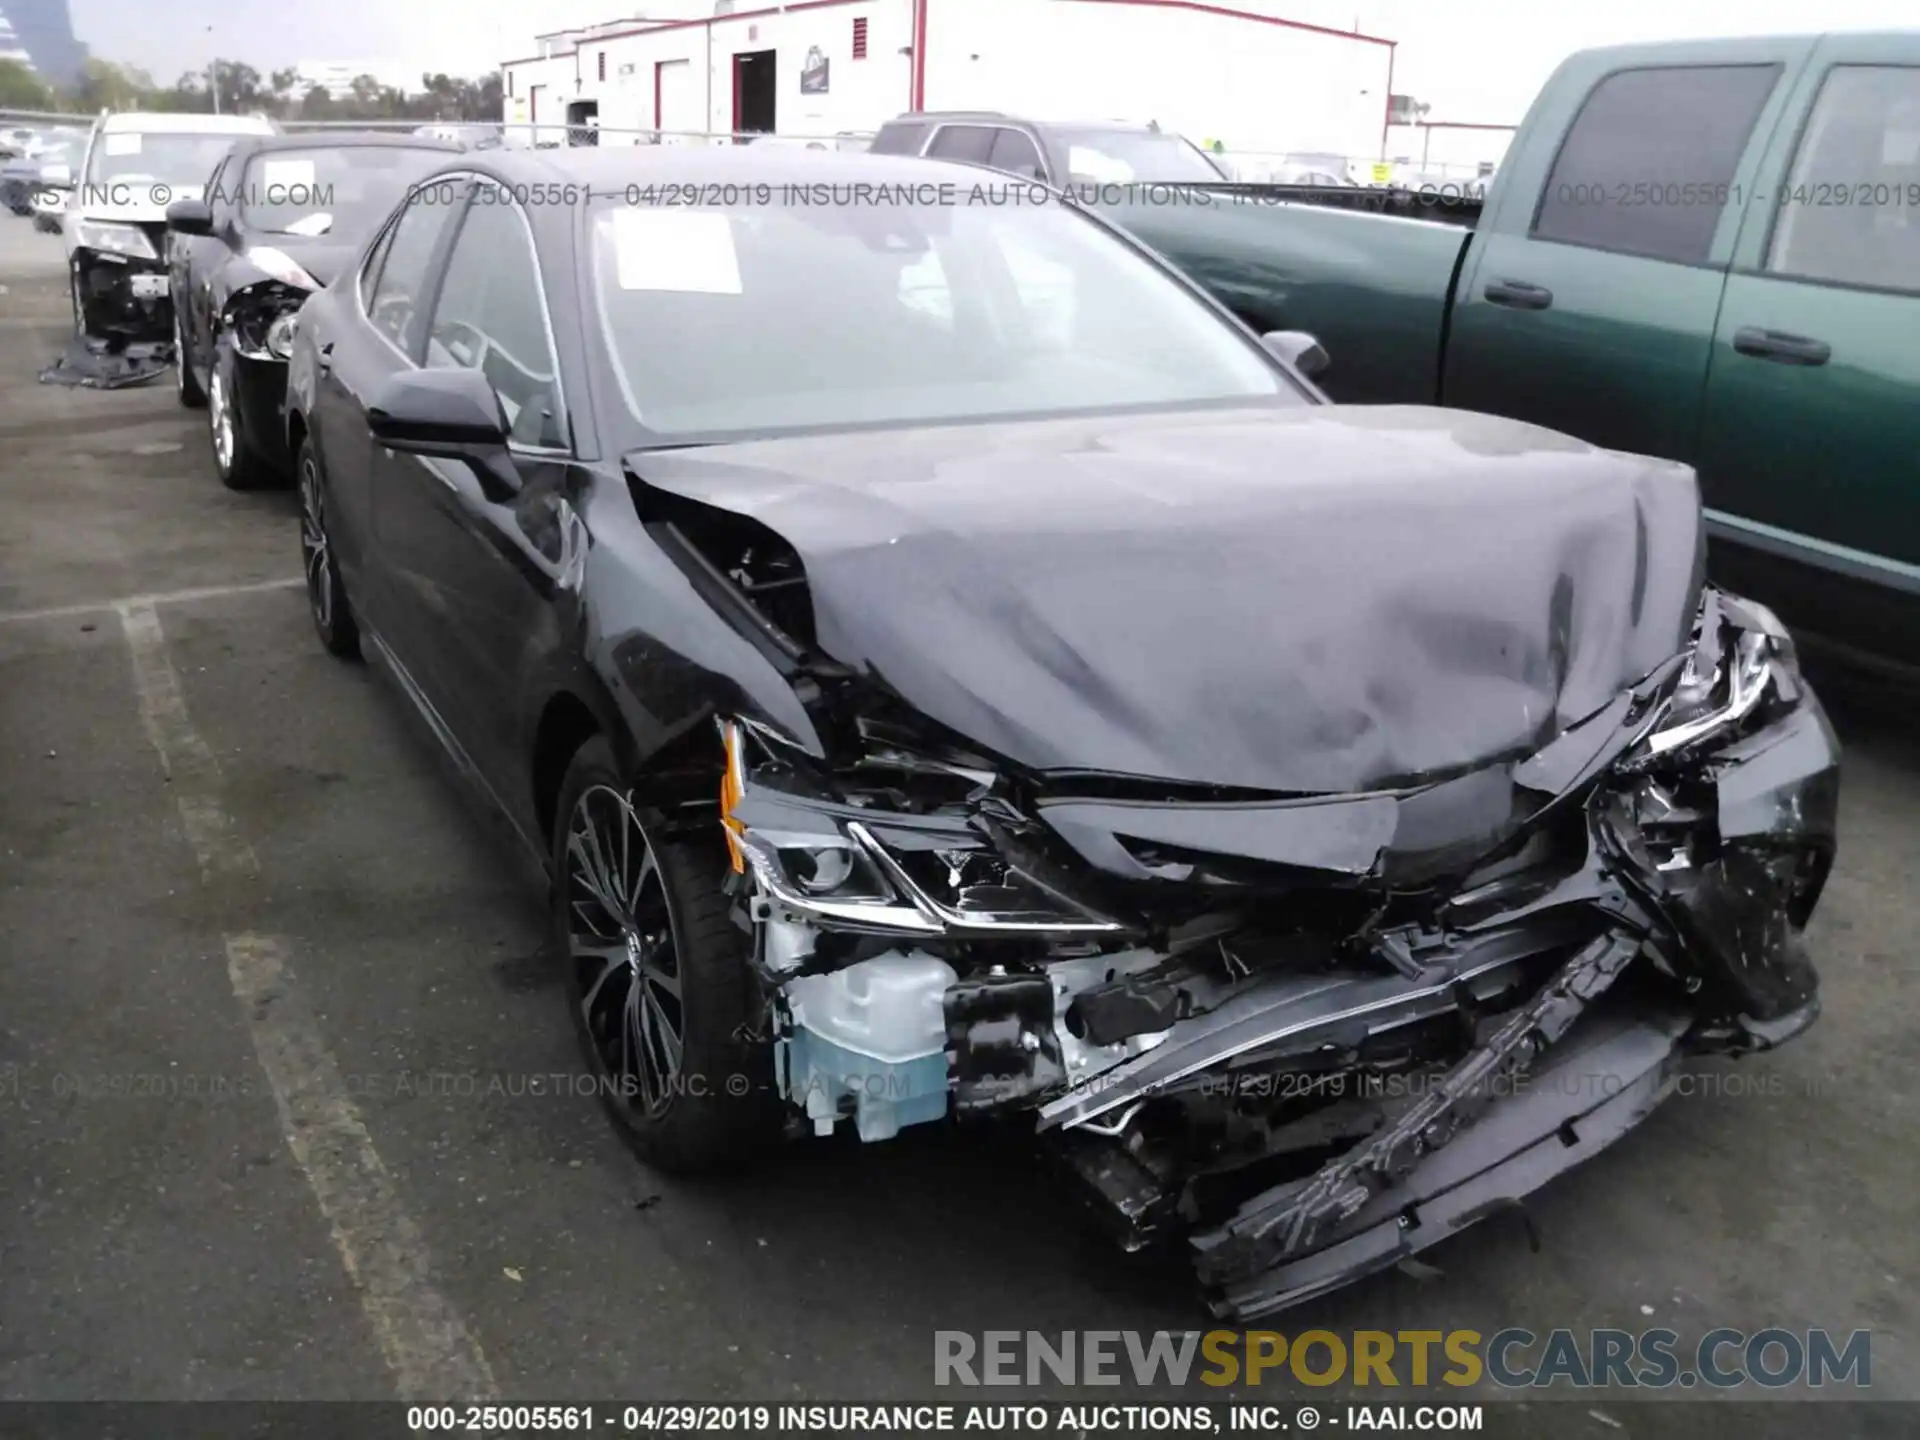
1519	295
1781	347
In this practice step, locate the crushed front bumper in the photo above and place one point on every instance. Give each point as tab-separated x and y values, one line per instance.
123	322
1400	1011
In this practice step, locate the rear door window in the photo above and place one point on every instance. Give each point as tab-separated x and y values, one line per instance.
1850	211
1648	165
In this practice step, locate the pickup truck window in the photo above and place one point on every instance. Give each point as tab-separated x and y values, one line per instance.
969	143
1850	211
1647	166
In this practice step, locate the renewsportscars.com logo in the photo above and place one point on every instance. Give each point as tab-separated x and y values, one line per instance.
1514	1358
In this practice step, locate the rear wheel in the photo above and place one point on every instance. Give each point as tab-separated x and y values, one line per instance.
186	387
657	978
327	602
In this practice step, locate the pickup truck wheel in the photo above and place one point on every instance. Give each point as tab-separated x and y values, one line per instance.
186	387
657	979
327	602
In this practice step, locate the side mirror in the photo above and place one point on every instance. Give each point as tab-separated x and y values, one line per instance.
190	217
449	414
1298	349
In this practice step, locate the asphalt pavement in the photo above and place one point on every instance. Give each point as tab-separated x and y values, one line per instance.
286	1084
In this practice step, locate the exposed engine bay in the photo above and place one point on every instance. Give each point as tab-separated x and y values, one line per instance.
1310	1033
123	313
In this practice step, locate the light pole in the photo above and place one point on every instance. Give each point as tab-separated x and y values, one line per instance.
213	78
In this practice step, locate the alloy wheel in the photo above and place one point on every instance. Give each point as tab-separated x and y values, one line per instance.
314	549
220	418
179	357
620	941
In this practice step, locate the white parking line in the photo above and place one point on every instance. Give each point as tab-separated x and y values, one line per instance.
432	1354
165	597
191	770
427	1345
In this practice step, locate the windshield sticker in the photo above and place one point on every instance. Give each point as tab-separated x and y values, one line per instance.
282	175
690	251
124	142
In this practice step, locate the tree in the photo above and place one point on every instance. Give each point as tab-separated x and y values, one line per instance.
106	86
317	104
21	89
367	95
240	86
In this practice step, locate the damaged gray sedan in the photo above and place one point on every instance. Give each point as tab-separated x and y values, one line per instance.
954	673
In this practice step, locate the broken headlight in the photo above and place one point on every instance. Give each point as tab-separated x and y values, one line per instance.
848	866
113	238
1742	664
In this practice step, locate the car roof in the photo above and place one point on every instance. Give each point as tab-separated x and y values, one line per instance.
1000	117
161	122
609	169
351	139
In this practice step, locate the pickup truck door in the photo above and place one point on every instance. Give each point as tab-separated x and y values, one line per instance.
1810	445
1591	304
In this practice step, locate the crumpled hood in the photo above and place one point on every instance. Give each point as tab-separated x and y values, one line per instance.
1298	600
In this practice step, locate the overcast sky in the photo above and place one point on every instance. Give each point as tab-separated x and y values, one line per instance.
1472	60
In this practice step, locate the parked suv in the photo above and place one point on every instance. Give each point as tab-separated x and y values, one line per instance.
1061	154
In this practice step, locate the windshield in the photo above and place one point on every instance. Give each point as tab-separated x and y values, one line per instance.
728	322
1119	157
174	161
321	192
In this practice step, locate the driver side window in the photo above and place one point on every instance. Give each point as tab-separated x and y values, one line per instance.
491	316
394	303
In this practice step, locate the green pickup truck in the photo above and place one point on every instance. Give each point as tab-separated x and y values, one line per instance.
1708	251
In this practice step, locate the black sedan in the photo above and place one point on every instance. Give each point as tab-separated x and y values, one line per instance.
281	215
950	668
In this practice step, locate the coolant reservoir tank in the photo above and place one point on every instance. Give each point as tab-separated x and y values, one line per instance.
870	1039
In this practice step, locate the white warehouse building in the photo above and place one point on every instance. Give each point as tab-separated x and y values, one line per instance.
1243	74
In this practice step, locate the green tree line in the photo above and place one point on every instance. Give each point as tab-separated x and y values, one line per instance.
107	86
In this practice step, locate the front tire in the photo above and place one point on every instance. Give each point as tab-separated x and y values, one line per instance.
186	386
234	459
327	602
662	999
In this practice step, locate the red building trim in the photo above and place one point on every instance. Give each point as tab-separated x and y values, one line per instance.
712	20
